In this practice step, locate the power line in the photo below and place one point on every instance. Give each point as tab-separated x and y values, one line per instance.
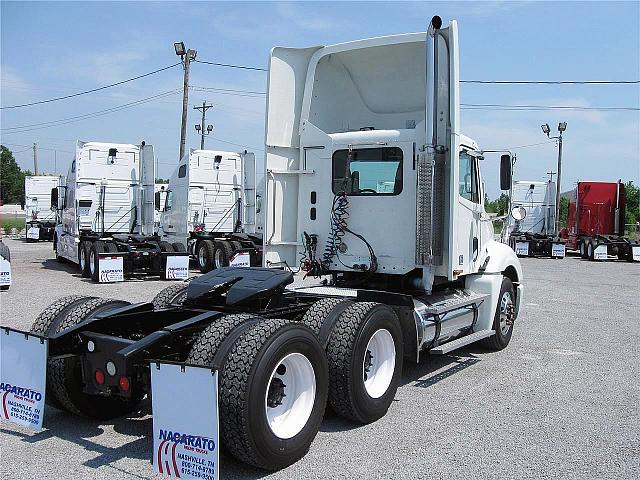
229	65
86	116
229	90
92	90
499	106
552	82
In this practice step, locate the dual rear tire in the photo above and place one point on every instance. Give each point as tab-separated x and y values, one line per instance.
273	386
212	254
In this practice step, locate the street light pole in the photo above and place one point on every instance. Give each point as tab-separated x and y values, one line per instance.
187	57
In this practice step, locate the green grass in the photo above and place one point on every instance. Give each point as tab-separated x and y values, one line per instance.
9	223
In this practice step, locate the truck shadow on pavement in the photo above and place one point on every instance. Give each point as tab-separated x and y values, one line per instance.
53	264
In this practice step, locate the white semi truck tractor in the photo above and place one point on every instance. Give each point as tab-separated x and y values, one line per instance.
40	218
371	188
106	215
210	206
530	229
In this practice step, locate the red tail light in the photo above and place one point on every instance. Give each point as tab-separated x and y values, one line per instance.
124	384
99	376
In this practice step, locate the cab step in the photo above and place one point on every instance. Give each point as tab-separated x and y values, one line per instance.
461	342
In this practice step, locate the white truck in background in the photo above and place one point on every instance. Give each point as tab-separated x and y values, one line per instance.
530	227
106	215
40	218
211	207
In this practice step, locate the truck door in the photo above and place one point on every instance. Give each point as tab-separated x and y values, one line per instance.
468	237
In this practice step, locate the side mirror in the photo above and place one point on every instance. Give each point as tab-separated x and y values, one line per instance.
54	198
518	213
157	201
505	172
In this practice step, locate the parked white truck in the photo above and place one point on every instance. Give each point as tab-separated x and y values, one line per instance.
106	210
371	185
530	227
40	218
211	207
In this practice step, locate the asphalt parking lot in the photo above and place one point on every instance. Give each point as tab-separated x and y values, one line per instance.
561	401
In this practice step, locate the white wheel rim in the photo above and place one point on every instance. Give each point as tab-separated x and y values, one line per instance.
92	259
590	249
379	363
290	396
201	259
83	259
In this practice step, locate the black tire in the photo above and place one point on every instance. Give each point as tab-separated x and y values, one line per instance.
204	255
83	249
591	247
97	248
47	323
583	249
178	247
501	339
110	247
223	253
209	340
165	247
4	252
174	294
64	376
236	246
245	380
347	353
324	313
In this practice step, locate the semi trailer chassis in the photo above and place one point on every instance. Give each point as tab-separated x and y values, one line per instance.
40	230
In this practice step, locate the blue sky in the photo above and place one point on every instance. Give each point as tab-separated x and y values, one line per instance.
56	48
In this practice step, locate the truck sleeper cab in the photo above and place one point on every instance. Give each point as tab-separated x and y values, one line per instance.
530	228
40	218
105	208
211	207
595	222
370	192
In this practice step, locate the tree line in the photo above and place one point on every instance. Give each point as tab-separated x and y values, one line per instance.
11	178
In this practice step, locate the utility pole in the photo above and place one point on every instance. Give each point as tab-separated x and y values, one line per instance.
551	174
55	162
200	128
187	56
562	126
35	158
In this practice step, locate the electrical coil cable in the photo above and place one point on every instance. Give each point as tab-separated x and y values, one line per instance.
309	262
339	228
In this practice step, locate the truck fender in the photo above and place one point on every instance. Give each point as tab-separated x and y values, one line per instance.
502	262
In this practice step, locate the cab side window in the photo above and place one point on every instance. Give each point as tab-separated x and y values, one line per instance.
168	201
468	178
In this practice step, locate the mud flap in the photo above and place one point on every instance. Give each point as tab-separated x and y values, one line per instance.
522	249
635	252
600	253
5	272
177	267
185	421
23	371
240	259
33	232
110	268
558	250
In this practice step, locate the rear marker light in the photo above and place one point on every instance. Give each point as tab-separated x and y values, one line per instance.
91	346
124	384
99	376
111	368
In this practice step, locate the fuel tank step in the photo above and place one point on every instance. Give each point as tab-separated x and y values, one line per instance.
461	342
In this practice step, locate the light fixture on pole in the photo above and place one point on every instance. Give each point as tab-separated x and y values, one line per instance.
201	128
187	56
562	126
